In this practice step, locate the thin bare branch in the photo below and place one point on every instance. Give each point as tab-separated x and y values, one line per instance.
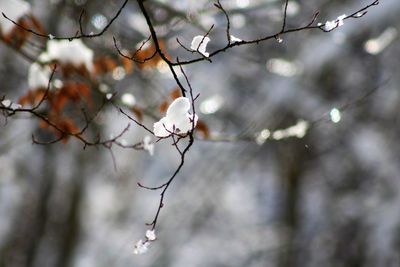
79	34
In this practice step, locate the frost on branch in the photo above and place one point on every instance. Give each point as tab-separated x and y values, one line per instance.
14	9
178	120
199	43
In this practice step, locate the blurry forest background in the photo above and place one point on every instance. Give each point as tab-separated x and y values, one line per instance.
329	199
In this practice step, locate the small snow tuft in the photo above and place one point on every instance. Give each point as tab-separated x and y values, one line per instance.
9	104
234	39
330	25
151	235
148	146
333	24
199	43
141	247
340	20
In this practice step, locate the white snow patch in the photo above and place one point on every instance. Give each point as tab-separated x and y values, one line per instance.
38	76
14	9
73	52
199	43
177	120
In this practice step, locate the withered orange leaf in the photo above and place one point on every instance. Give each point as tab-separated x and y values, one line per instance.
58	102
33	97
36	24
43	124
17	36
68	70
67	127
63	127
163	107
138	113
128	65
104	65
75	91
149	57
175	93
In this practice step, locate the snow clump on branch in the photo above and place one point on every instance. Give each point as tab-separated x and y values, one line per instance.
151	235
64	52
234	39
178	120
141	247
199	43
7	103
330	25
73	52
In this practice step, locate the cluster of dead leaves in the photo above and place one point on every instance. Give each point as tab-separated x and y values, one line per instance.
146	57
72	93
76	93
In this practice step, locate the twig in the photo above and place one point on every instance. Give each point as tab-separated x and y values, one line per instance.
79	35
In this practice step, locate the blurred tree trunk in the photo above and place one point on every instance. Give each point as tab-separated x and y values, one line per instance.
292	164
46	228
29	224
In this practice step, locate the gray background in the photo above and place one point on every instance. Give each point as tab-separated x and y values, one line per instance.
329	199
